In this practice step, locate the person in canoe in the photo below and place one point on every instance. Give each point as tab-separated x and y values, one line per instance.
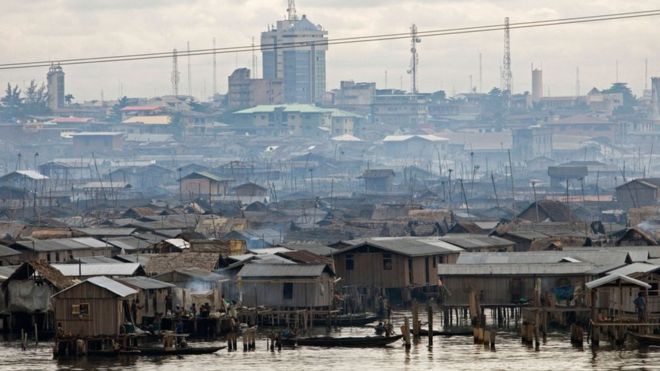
380	328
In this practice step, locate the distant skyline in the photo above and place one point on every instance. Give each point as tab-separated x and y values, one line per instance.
42	29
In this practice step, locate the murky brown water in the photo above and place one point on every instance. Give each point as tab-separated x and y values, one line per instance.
455	353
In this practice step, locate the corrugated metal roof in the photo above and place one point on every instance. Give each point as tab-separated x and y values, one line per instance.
179	243
95	231
634	268
281	270
149	120
473	241
59	244
6	251
98	260
638	256
612	278
602	257
408	246
199	274
86	270
514	269
145	283
111	285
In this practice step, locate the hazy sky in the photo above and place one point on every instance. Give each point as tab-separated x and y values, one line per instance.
52	29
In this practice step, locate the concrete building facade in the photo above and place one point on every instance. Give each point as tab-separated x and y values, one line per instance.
294	51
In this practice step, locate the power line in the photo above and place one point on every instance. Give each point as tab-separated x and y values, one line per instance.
338	41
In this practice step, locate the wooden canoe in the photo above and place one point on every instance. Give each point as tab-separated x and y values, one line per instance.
155	351
352	342
644	339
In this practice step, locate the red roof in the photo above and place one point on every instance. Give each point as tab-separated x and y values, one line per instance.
141	108
71	120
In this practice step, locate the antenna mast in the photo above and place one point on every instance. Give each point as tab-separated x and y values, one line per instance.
414	59
480	75
507	77
215	76
291	11
175	73
189	75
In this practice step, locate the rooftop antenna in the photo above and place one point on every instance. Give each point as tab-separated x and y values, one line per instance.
291	11
481	81
507	77
189	75
254	61
617	71
577	81
175	73
414	58
646	74
215	76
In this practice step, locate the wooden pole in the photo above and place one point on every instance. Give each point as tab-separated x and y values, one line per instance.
405	330
430	320
415	318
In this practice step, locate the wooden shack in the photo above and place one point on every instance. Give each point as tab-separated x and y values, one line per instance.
27	294
194	285
95	307
287	285
150	298
395	264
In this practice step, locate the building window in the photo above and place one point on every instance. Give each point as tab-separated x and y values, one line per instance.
435	258
80	310
349	262
654	289
287	291
57	256
387	262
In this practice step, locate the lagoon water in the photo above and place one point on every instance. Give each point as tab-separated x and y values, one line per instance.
448	353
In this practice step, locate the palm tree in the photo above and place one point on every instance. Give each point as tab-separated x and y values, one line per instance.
69	98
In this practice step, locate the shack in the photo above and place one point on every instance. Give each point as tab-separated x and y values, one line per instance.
96	307
394	264
287	285
151	296
194	285
27	293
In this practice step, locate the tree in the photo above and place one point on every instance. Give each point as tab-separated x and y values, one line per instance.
11	103
69	98
116	109
36	99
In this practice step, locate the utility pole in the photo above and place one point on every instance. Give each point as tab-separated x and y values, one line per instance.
215	76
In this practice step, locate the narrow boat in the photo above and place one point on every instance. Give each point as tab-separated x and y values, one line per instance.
155	351
354	342
644	339
425	332
343	320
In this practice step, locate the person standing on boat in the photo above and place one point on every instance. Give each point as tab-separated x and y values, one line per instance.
640	305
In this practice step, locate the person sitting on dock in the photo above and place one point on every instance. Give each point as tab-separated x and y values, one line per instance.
640	305
179	327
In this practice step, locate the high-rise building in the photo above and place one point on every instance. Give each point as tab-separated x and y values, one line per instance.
537	85
294	51
655	93
55	79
